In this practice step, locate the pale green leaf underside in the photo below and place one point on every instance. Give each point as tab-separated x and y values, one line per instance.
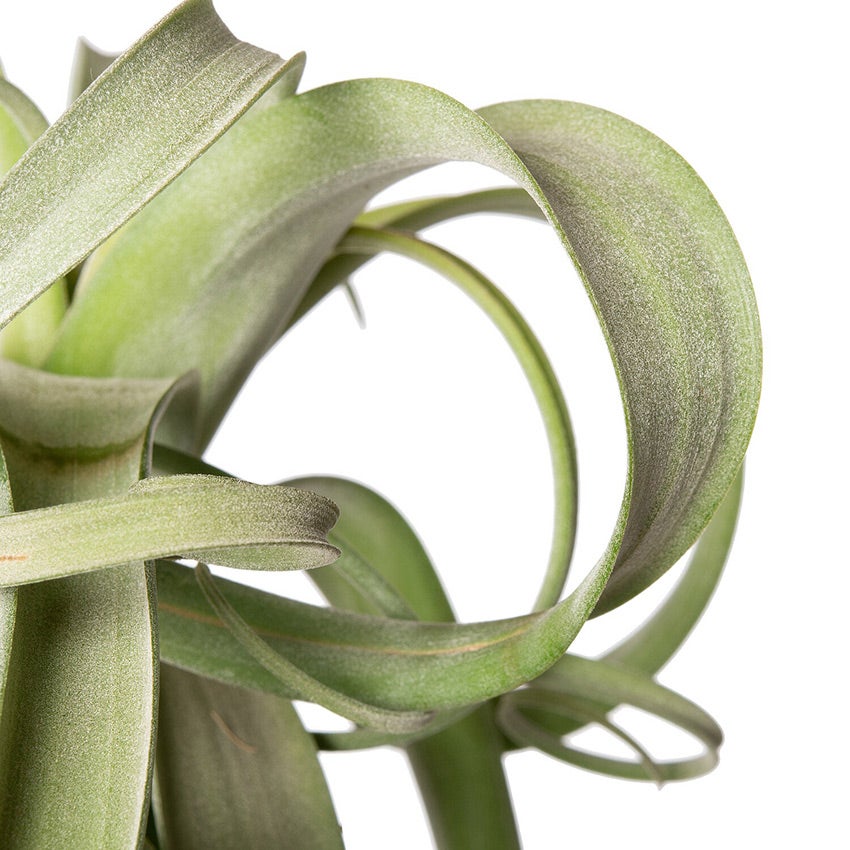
221	520
141	123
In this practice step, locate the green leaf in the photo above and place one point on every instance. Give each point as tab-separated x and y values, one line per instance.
138	126
79	658
302	685
29	337
65	438
458	766
581	689
223	520
403	665
391	663
235	768
538	371
414	216
382	562
551	708
674	299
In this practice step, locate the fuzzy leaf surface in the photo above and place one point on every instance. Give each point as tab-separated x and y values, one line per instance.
132	131
225	521
658	258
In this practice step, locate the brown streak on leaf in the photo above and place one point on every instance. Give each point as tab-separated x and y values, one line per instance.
209	620
232	736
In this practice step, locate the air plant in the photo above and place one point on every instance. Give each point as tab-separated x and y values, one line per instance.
155	242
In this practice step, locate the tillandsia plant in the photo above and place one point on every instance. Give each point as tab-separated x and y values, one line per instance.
155	242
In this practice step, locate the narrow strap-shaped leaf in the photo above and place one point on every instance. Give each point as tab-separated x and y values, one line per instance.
418	666
302	685
538	371
138	126
413	215
581	690
458	766
235	768
223	520
413	665
383	567
516	725
425	212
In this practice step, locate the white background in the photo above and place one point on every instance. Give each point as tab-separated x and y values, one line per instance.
426	406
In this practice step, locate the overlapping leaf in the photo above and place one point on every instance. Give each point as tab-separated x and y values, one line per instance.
143	121
79	655
459	767
79	659
659	260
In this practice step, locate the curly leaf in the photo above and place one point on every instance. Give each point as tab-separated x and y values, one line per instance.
537	369
581	691
658	258
642	654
